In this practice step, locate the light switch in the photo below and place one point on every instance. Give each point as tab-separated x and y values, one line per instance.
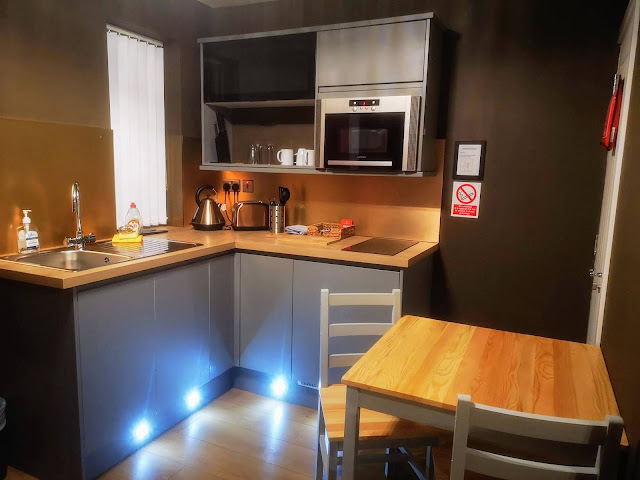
247	186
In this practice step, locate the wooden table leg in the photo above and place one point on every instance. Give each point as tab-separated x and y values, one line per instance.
351	435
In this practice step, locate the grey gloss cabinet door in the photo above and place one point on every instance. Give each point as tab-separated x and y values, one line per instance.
389	53
266	287
116	342
182	333
221	285
309	279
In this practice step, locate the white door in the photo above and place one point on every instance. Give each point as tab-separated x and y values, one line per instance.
600	273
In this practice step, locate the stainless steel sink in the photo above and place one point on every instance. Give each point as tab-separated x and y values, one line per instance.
69	259
99	254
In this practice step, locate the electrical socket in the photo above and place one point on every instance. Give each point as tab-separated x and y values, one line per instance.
234	182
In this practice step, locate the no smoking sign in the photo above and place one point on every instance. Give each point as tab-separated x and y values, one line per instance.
465	201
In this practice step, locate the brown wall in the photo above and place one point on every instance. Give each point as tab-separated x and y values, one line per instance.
621	331
54	85
530	77
533	79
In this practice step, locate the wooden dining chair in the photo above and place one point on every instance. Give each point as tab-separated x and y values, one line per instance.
377	430
518	430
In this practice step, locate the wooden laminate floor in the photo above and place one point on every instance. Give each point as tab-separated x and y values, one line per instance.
238	436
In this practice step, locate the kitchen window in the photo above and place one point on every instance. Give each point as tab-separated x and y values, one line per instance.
136	97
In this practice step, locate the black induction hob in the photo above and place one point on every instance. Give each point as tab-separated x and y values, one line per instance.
381	246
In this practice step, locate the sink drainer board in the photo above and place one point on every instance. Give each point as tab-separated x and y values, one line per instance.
148	248
99	254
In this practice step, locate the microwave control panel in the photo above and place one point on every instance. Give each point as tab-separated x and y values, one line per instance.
364	103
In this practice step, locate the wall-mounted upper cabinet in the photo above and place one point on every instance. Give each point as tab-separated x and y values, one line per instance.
310	66
377	54
259	69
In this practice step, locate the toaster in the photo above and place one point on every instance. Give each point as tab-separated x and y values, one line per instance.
250	216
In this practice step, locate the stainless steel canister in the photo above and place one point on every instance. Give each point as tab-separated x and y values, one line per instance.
276	218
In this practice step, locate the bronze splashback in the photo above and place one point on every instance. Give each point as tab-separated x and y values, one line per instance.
380	206
38	164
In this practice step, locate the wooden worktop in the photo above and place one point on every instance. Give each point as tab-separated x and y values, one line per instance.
216	243
430	362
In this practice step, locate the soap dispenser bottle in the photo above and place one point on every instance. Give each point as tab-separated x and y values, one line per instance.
28	240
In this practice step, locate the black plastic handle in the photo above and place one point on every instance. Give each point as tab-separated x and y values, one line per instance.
284	195
202	189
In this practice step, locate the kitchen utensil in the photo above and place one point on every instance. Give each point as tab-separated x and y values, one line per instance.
255	154
208	215
271	155
277	218
285	156
284	195
302	240
222	140
250	216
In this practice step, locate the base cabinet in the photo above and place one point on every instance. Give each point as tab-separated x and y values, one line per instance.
182	332
120	353
266	289
280	312
144	345
117	346
221	310
309	279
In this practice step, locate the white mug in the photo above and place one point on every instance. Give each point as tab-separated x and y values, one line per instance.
305	157
301	157
285	156
311	158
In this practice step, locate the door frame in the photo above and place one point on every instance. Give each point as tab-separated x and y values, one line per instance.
628	33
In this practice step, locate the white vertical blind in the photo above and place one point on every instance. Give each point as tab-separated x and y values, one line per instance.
136	96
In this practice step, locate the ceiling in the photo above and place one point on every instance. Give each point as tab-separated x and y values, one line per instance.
231	3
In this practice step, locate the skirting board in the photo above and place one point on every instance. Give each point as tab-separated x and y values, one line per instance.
260	383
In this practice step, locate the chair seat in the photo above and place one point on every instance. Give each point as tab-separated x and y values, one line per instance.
373	424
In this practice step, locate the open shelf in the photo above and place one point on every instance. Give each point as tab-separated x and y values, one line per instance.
245	167
264	103
248	167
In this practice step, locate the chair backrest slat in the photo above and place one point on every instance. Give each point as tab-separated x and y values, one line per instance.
352	329
344	359
539	426
510	468
327	330
605	435
361	299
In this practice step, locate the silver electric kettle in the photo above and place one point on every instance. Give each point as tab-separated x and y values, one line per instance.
208	215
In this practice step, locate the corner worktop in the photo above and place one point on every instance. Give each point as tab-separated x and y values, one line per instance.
212	243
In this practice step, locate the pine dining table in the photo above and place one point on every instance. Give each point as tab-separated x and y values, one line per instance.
417	369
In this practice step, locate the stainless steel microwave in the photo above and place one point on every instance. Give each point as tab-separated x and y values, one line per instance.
372	133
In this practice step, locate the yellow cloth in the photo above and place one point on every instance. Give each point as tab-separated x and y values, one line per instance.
118	239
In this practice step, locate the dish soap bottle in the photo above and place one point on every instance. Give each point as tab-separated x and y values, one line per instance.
28	241
133	218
